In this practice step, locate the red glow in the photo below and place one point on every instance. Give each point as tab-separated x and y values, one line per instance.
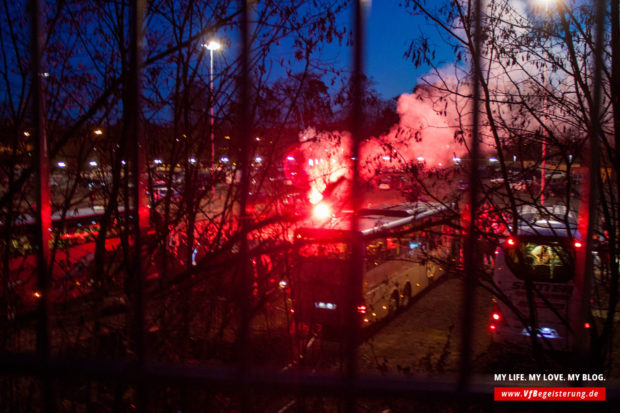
496	316
366	320
587	325
578	244
492	327
511	242
361	309
321	211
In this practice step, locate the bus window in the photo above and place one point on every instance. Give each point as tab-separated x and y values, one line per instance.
537	259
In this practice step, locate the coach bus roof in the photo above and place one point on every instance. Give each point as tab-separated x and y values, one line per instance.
548	228
72	213
548	223
375	220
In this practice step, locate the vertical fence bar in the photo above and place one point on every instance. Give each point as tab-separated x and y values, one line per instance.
139	176
354	297
470	253
588	208
43	205
245	130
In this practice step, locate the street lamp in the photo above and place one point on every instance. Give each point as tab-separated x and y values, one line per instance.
545	4
211	46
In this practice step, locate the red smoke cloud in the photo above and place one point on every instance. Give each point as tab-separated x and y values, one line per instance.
427	133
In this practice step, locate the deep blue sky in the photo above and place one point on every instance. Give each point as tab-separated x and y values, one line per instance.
389	30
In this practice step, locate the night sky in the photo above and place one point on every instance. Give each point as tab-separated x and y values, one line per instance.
389	31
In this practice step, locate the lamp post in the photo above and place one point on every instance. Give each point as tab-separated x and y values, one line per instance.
546	4
211	46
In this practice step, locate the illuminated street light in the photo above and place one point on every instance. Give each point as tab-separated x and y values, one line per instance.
93	163
258	159
98	132
546	4
211	46
157	161
192	160
224	159
61	164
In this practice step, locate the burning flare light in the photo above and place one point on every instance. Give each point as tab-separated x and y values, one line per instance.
321	211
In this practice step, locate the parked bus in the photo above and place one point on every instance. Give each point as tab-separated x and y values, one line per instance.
406	247
79	226
537	260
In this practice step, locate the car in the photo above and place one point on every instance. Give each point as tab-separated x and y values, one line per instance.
462	185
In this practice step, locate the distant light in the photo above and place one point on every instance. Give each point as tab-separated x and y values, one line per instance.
492	327
570	158
98	132
413	245
257	139
224	159
93	163
37	294
514	158
157	161
511	242
310	162
321	211
213	45
456	159
578	244
587	325
26	133
386	158
192	160
283	284
290	158
324	305
496	316
227	137
61	164
258	159
493	160
439	164
123	162
420	159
